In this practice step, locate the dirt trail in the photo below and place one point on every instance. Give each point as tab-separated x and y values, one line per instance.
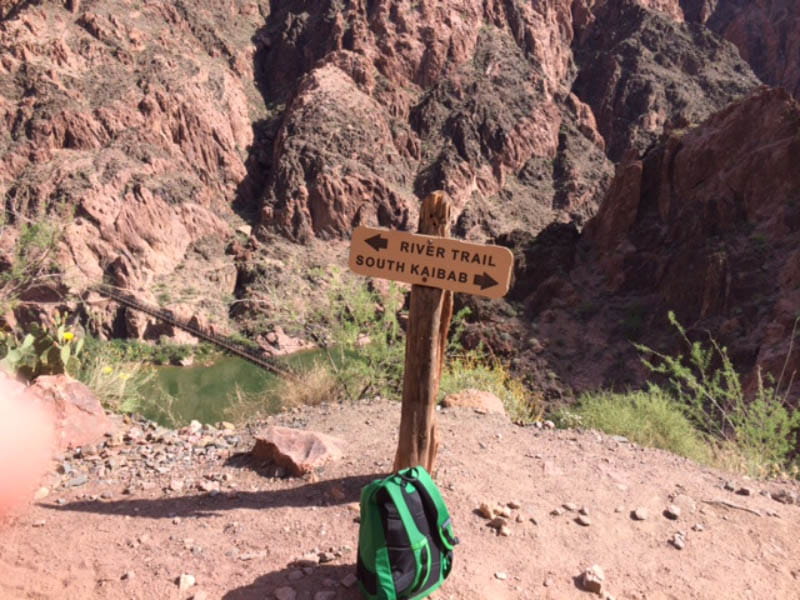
150	511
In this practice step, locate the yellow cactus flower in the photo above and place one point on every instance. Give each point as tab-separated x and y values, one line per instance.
68	335
107	370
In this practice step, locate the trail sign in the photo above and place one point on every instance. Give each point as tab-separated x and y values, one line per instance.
432	261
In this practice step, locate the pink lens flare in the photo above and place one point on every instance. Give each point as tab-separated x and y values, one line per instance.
26	445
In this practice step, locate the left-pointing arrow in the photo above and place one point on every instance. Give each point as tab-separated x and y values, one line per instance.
378	242
485	280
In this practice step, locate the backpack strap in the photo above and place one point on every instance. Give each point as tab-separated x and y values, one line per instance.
433	503
419	543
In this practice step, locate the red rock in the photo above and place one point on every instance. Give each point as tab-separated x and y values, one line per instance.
79	417
706	224
296	450
767	33
150	163
477	399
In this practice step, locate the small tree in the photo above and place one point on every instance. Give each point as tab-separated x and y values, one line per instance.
30	262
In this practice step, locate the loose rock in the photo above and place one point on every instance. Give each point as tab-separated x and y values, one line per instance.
785	497
486	402
640	514
502	511
672	512
685	503
592	579
297	451
285	593
679	540
77	481
186	581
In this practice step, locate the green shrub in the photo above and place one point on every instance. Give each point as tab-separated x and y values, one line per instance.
361	335
648	417
119	386
42	350
764	428
365	346
164	352
32	262
120	382
474	370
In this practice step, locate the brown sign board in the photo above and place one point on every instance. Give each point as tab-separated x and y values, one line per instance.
432	261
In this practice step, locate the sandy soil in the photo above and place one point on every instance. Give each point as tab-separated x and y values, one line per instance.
259	534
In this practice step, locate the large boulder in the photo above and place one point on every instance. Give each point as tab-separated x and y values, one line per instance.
297	451
78	416
477	399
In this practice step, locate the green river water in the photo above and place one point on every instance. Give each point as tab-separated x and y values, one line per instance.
204	392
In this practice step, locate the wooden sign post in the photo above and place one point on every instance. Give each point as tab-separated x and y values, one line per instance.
436	266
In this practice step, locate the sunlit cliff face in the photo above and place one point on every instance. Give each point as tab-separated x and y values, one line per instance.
26	446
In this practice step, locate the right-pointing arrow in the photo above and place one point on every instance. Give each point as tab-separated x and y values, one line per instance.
377	242
485	280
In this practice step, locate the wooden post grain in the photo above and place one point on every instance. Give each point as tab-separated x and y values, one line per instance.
428	322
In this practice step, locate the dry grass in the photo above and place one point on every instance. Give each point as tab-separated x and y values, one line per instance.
318	385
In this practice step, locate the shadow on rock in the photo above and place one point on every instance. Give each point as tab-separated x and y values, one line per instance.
322	493
319	578
294	37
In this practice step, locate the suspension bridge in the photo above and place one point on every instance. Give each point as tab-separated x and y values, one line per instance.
166	315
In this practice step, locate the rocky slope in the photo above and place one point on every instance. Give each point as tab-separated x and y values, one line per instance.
391	101
145	128
766	32
706	223
128	124
643	74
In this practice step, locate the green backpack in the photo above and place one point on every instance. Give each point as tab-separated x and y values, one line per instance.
405	541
